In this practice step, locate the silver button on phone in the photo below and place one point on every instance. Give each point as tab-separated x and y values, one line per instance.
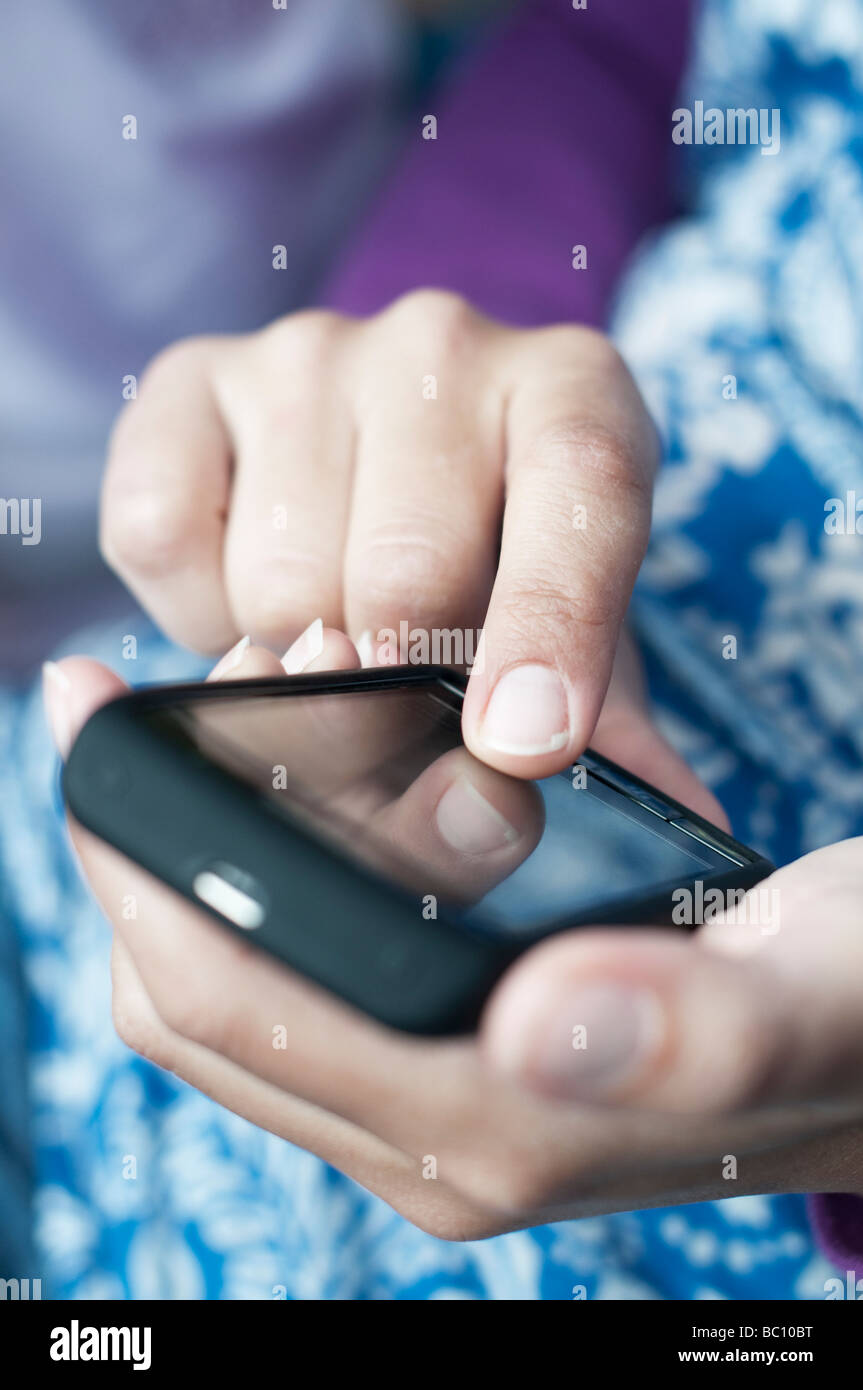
219	888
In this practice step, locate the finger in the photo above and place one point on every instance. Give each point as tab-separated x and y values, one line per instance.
578	437
644	1019
73	689
425	513
327	742
291	491
165	497
245	662
318	740
321	648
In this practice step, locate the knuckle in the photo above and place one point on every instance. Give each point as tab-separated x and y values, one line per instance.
602	354
587	351
177	359
146	534
543	613
287	368
594	454
574	352
587	343
439	314
304	338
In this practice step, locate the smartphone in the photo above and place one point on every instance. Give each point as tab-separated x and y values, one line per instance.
339	821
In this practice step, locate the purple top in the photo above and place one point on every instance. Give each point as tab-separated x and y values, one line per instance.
576	152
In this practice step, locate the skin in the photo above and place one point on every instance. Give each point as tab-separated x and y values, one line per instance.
756	1039
454	512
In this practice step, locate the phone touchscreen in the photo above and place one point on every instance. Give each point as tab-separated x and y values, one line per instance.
386	778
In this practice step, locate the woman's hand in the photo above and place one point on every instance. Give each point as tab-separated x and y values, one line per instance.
425	466
717	1064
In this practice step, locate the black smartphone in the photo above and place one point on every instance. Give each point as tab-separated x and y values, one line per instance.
339	821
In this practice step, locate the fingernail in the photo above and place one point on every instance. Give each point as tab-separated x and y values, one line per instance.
469	823
306	649
593	1044
56	688
231	660
528	713
366	648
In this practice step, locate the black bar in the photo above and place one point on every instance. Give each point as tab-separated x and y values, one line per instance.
250	1339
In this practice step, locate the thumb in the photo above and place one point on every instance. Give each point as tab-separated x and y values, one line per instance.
648	1019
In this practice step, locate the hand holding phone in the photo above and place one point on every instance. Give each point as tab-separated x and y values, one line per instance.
341	822
726	1072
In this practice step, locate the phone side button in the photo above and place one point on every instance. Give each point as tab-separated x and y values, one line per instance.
228	900
705	837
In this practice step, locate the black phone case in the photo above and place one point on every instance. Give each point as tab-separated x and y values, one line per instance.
358	935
